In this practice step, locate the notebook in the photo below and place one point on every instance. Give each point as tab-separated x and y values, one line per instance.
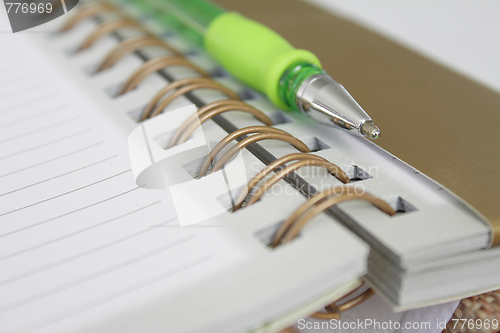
90	245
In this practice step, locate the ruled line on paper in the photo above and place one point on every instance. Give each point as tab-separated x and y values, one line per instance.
22	80
15	73
188	226
34	115
69	213
112	296
61	175
167	224
72	135
21	87
25	103
65	193
53	159
40	129
76	232
76	256
83	279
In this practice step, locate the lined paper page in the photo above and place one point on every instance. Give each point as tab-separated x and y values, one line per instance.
75	230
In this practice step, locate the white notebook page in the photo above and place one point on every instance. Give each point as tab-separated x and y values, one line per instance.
71	216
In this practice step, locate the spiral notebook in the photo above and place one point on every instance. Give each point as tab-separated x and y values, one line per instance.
92	242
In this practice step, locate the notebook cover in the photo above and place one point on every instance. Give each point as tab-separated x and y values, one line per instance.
440	122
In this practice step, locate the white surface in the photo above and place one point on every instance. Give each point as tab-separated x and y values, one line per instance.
461	34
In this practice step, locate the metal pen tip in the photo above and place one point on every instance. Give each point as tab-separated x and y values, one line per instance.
370	130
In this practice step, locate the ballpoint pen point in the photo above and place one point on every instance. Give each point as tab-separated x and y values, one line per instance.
370	130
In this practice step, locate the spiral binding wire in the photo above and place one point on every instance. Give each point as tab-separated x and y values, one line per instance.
107	28
263	133
267	170
305	213
248	135
233	136
319	203
155	106
259	137
155	65
85	12
128	46
333	169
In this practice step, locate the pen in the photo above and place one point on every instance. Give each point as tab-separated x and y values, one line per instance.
256	55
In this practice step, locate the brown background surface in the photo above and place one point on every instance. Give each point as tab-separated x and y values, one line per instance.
438	121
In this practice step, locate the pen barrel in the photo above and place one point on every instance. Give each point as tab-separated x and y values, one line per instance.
189	18
253	53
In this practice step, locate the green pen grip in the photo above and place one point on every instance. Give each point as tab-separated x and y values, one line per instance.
253	53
